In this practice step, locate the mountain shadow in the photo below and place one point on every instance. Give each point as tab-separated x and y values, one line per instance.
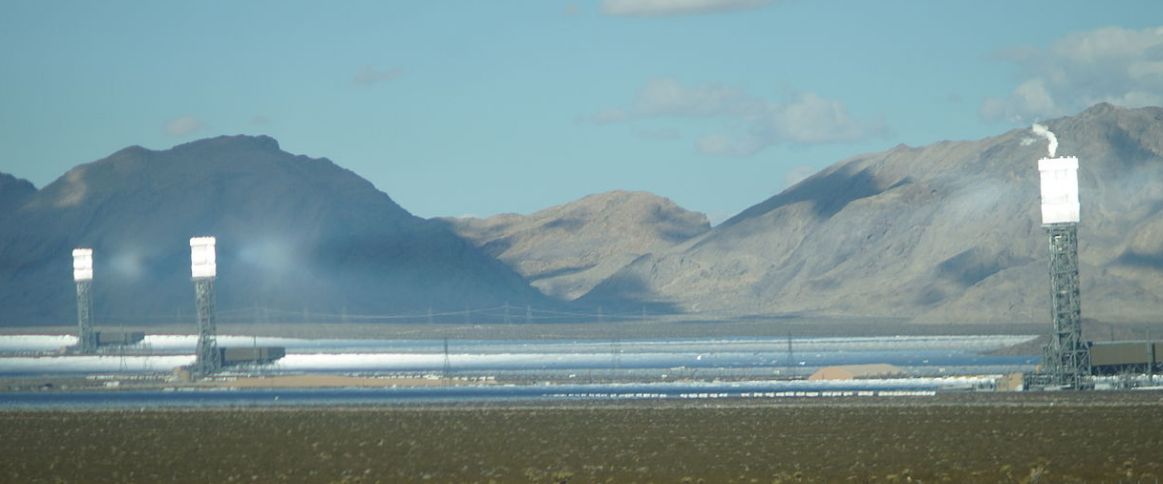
298	239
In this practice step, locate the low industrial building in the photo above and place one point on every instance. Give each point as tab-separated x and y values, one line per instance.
857	372
251	355
1122	357
119	338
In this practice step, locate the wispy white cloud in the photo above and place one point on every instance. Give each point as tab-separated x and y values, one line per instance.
808	118
573	10
368	75
657	134
1110	64
668	97
802	118
717	144
664	8
608	115
183	125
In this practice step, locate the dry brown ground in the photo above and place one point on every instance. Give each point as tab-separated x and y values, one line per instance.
1045	438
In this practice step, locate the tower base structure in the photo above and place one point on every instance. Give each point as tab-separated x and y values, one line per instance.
1066	359
208	359
86	337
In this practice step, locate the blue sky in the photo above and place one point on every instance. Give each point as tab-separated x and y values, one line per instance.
485	107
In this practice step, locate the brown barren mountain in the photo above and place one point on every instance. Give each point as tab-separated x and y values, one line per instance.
564	251
949	232
298	238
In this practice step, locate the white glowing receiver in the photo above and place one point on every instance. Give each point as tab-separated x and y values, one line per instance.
1059	190
203	260
82	265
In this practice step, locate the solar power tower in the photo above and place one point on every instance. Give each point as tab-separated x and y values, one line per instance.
1067	357
83	276
203	267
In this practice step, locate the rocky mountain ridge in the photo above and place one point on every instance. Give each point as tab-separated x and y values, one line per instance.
14	192
298	238
944	233
949	232
564	251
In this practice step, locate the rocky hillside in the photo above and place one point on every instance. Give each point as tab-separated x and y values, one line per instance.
14	193
948	232
298	236
566	250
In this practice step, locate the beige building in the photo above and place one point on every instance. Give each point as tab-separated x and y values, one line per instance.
854	372
1011	382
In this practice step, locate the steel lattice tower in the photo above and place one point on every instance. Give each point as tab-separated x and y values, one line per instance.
207	359
1067	356
86	338
203	270
83	275
447	370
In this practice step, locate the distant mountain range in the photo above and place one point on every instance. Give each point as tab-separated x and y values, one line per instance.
945	233
299	236
564	251
949	232
14	193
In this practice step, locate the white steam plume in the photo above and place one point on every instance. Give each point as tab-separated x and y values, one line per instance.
1045	133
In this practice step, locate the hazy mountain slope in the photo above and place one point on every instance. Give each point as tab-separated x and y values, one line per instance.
945	232
14	192
565	250
295	234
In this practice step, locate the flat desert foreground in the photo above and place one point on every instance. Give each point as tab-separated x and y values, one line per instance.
1046	438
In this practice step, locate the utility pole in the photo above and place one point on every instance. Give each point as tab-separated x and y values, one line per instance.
447	361
615	357
791	358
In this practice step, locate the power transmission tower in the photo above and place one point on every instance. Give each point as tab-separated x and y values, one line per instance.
791	357
615	355
447	361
